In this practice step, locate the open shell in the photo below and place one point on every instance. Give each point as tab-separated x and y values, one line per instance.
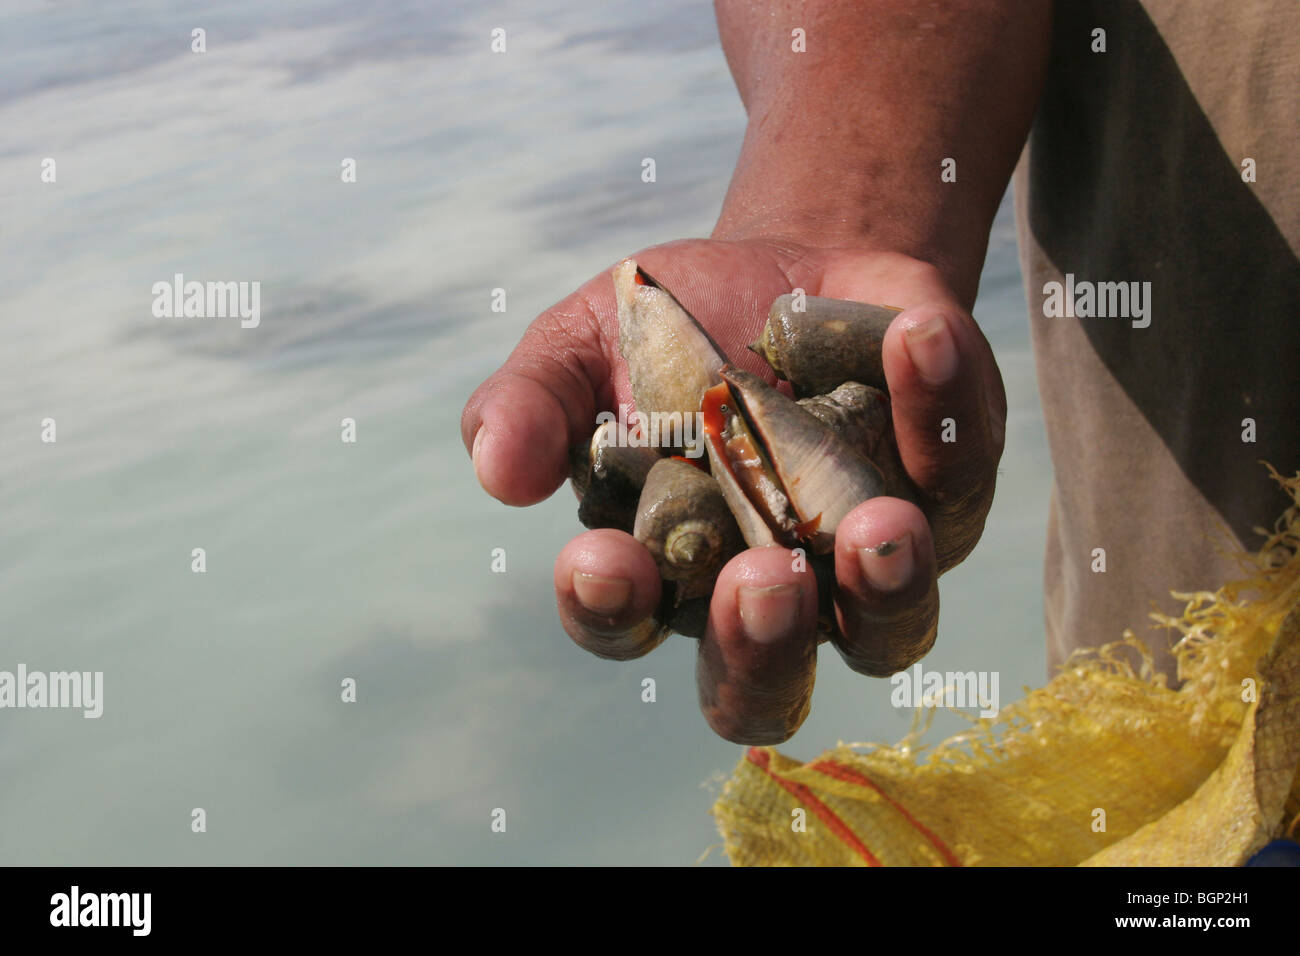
823	476
671	360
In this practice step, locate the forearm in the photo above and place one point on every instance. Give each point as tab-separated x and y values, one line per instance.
845	141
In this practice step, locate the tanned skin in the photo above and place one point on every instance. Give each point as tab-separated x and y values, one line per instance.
837	191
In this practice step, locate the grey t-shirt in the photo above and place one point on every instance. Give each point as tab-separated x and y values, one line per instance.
1139	172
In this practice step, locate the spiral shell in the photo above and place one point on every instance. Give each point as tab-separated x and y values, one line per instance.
692	544
858	412
684	522
861	415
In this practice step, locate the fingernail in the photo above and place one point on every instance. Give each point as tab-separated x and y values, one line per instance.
601	594
768	614
932	350
473	456
889	565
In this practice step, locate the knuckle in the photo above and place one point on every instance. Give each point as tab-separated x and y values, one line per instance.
957	528
888	649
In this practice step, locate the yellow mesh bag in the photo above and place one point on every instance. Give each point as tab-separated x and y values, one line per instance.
1200	776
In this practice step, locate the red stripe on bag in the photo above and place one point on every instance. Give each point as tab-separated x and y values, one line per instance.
762	759
839	772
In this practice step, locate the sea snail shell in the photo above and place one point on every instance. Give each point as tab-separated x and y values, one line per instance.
684	522
828	342
858	412
692	545
609	479
821	476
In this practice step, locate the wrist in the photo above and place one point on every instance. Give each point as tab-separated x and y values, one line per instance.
805	233
812	199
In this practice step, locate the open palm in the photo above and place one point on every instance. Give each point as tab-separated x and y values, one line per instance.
758	655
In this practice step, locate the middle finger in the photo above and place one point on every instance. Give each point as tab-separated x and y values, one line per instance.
758	658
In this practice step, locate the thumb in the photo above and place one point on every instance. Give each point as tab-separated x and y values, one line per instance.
519	424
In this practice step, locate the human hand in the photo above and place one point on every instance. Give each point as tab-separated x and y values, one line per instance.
758	654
